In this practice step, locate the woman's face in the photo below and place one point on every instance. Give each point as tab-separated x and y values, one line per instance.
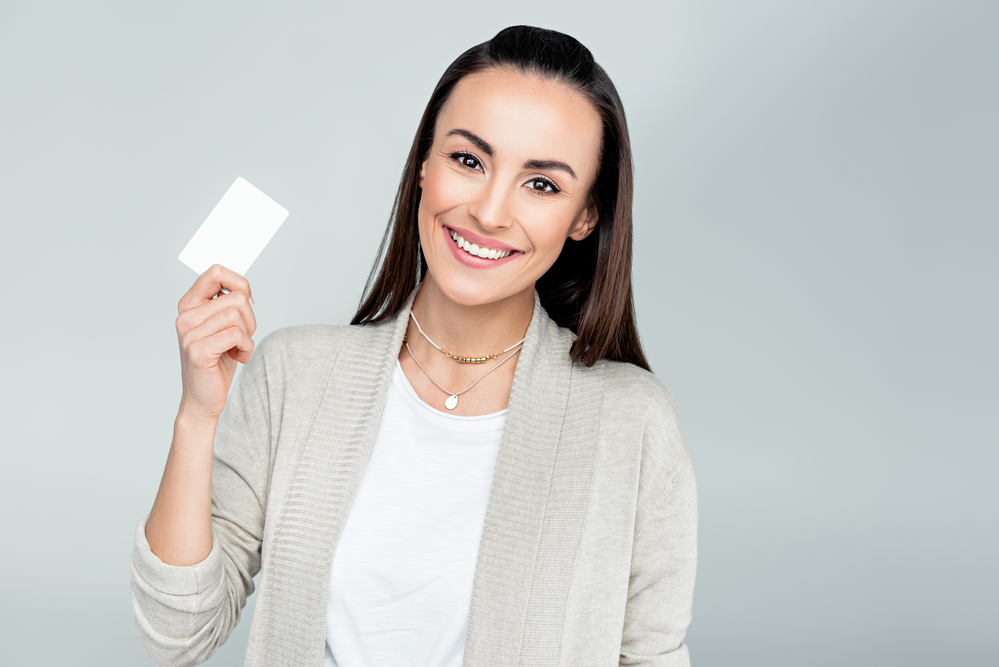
510	170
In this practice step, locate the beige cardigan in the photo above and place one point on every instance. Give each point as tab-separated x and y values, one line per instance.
589	544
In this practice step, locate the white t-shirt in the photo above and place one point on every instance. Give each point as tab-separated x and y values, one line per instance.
401	582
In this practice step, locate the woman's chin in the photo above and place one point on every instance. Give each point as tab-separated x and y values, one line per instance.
467	293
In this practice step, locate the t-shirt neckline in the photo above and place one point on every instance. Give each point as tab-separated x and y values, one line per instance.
487	421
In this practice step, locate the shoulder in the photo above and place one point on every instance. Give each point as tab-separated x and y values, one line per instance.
302	352
638	403
635	394
291	366
638	386
306	340
630	394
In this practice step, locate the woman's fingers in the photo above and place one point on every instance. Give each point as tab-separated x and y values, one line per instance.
227	317
210	283
205	352
198	315
214	334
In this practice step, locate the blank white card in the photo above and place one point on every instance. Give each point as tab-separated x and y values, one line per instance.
235	231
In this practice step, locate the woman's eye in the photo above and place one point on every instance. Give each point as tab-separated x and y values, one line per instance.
466	160
543	186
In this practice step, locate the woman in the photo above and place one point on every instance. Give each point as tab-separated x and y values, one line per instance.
480	470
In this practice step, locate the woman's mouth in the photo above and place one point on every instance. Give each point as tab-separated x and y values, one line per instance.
475	250
482	253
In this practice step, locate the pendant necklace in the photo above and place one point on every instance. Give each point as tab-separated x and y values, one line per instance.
452	355
452	400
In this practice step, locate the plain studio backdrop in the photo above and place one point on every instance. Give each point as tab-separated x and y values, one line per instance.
816	236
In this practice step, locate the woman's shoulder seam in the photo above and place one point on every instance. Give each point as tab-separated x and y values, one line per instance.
667	488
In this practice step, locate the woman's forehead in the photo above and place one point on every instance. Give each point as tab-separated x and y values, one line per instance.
524	115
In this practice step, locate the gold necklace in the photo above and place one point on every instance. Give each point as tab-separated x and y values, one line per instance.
451	402
452	355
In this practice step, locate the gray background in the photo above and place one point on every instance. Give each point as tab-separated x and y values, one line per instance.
817	217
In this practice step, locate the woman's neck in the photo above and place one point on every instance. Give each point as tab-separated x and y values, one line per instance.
472	330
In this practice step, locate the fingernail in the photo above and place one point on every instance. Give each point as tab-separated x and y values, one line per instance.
251	300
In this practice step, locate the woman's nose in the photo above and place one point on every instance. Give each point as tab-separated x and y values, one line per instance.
491	206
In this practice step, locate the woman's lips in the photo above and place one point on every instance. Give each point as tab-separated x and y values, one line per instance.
474	261
480	240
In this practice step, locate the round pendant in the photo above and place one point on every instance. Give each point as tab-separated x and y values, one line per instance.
451	402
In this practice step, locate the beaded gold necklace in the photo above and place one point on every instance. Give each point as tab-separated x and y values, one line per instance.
456	357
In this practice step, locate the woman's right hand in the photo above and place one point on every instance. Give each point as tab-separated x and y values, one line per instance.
214	330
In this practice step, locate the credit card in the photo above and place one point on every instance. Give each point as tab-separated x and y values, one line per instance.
236	230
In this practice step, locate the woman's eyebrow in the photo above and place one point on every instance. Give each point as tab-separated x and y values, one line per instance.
550	164
484	146
479	142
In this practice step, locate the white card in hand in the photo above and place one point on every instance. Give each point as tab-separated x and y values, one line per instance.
235	231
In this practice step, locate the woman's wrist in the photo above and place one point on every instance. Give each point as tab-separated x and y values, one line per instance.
191	420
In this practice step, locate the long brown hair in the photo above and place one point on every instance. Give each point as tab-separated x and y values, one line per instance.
588	288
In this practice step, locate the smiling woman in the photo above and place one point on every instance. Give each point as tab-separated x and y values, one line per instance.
480	469
541	96
511	181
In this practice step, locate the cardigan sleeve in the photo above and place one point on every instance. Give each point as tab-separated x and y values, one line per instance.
661	586
183	614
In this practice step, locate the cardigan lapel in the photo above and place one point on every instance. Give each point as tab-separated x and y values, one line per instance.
324	485
516	508
332	463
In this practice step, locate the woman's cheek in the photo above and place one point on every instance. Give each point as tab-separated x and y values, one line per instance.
444	190
547	233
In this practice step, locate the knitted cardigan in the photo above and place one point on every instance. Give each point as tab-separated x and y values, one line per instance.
588	550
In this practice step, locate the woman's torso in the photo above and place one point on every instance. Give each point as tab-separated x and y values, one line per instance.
401	581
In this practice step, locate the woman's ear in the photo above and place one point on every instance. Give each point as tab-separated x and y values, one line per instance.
423	171
586	223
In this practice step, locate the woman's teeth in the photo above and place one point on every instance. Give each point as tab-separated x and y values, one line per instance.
472	249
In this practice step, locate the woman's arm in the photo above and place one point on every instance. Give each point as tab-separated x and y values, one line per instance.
183	614
196	553
664	549
214	333
661	588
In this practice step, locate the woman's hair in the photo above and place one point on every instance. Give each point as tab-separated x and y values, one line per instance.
588	288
